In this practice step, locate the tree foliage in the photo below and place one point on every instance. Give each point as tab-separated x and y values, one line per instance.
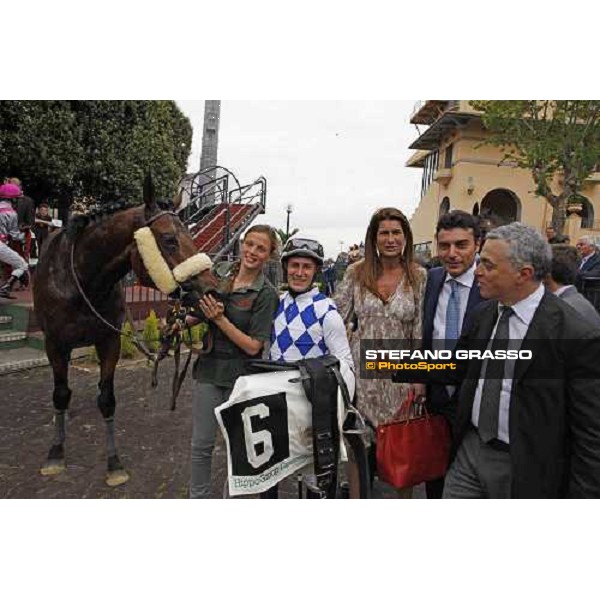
557	140
98	148
284	237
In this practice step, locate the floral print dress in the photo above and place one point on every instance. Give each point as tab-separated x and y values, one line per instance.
400	317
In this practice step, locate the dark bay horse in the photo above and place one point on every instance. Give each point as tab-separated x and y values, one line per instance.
91	257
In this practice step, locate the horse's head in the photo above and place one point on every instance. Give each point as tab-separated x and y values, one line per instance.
169	254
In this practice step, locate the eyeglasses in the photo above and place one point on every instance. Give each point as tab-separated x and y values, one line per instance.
302	244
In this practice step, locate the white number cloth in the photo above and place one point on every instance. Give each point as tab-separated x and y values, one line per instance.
267	426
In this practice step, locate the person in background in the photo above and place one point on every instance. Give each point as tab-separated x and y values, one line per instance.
329	277
25	217
589	266
42	226
354	254
381	297
554	238
561	282
9	231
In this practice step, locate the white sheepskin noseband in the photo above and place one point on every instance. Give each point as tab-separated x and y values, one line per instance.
167	281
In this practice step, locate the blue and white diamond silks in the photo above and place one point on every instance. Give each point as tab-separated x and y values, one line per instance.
298	326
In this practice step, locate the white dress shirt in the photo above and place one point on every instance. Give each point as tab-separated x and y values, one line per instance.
518	325
465	283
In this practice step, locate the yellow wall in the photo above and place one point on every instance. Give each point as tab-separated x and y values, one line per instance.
471	160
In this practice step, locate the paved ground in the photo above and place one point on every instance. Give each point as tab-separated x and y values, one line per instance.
153	442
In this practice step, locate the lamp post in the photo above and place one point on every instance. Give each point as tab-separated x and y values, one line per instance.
288	209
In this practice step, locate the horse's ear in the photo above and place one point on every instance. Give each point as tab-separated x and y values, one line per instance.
149	198
177	200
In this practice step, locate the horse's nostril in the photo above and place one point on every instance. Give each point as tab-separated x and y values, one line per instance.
190	299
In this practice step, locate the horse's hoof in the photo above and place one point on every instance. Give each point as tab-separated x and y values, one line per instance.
115	478
54	467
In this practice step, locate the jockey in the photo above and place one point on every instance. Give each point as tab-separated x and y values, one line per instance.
9	230
307	323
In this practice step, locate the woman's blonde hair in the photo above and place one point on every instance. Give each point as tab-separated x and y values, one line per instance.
366	272
273	238
270	232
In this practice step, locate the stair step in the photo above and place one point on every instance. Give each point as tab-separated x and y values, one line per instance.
5	322
23	365
12	336
19	359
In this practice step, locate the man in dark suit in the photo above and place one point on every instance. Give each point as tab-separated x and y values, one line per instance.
561	282
451	294
524	428
589	265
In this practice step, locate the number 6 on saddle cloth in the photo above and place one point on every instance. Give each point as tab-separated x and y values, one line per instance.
285	418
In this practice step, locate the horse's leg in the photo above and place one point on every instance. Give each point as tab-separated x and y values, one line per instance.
59	359
108	351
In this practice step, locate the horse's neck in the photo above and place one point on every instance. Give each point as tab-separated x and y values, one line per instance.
103	253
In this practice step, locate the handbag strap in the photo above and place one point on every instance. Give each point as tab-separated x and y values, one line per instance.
408	406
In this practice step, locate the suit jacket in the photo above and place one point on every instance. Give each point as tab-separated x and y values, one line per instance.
582	305
554	415
591	268
437	395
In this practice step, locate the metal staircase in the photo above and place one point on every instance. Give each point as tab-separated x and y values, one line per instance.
219	209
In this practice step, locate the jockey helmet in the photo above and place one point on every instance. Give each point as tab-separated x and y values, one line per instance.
10	190
303	248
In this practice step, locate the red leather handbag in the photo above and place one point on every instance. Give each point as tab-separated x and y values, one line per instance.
413	448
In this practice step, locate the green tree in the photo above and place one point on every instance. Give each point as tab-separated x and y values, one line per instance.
40	143
284	237
557	140
98	148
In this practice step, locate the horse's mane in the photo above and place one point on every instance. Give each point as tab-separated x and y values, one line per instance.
96	212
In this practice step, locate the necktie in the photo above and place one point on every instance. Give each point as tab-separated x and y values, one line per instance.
452	315
493	371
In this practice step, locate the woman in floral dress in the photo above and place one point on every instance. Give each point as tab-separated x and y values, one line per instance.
381	297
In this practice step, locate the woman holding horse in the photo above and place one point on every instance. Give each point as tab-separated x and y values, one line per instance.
240	326
381	297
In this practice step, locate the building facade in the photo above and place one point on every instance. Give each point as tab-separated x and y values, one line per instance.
461	173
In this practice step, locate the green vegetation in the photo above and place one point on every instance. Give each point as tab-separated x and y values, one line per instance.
557	140
151	333
100	148
128	349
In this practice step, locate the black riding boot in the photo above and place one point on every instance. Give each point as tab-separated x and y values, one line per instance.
7	287
24	280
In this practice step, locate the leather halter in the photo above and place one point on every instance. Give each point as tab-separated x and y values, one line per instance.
157	216
136	341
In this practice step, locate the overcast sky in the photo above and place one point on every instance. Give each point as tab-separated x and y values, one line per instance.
335	161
